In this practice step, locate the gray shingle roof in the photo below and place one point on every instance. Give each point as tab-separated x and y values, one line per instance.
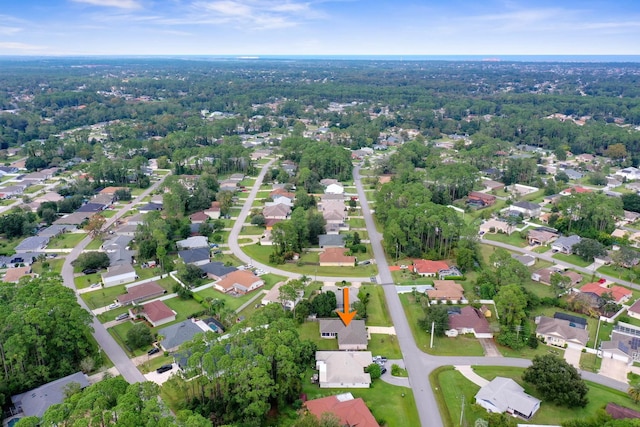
334	240
194	255
217	269
35	402
179	333
32	243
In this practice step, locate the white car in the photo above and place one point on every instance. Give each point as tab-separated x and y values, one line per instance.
95	285
114	305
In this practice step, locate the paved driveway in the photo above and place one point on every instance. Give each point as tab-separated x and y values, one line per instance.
489	347
572	356
163	377
613	368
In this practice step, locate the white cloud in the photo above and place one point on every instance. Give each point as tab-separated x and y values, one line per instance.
121	4
19	46
7	31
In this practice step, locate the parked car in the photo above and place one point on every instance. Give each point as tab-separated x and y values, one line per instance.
383	371
164	368
89	271
122	316
373	279
114	305
95	285
154	350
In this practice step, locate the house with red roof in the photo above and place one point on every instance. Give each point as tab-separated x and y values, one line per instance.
199	217
156	312
618	293
429	268
574	190
138	293
350	411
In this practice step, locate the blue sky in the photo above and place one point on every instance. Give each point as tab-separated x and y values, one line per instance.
319	27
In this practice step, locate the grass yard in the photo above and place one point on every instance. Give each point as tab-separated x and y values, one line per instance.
153	364
184	307
251	231
572	259
620	273
539	289
110	315
356	223
263	194
514	239
220	236
590	362
377	314
147	273
442	346
310	266
34	189
95	244
119	332
54	265
102	297
385	345
229	300
108	213
311	331
7	247
449	386
66	240
86	280
541	249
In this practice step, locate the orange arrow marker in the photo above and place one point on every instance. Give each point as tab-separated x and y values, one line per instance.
345	315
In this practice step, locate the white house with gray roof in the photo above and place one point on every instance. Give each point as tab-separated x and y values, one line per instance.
565	244
32	244
343	369
352	337
119	274
505	395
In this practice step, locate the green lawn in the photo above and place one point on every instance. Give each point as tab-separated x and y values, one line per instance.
442	346
406	278
85	280
54	265
119	332
620	273
251	231
184	307
153	364
147	273
541	249
7	247
95	244
356	223
110	315
449	387
572	259
311	331
514	239
590	362
229	300
102	297
377	314
33	189
310	266
263	194
108	213
385	345
66	240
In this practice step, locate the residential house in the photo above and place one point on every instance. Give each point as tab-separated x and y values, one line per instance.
629	174
237	177
156	312
553	199
573	174
91	208
634	186
618	293
328	181
338	292
150	207
213	211
75	218
634	310
585	158
574	190
34	403
334	217
480	199
216	270
496	226
560	332
177	334
229	186
6	170
541	237
624	344
349	411
505	395
352	337
335	257
331	240
193	242
273	296
198	217
343	369
11	191
428	268
446	290
240	281
195	256
527	209
138	293
50	196
56	230
526	260
279	211
613	183
14	274
468	320
334	189
492	185
118	250
32	244
631	217
137	219
565	244
118	275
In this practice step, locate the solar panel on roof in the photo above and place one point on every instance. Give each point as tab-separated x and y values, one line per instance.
623	347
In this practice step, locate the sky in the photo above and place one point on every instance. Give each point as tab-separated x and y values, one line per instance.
319	27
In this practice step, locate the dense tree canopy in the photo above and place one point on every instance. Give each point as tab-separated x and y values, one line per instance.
557	381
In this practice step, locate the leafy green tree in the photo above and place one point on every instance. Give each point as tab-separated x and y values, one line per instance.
258	220
438	315
324	304
511	302
374	371
92	260
634	392
557	381
139	336
560	283
587	249
631	202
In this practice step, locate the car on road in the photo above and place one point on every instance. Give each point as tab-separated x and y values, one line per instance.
89	271
122	316
373	279
164	368
154	350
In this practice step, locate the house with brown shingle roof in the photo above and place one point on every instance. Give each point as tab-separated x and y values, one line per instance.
446	290
335	257
214	210
156	312
541	237
240	281
559	332
469	320
138	293
279	211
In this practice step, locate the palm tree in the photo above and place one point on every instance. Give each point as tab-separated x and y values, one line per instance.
634	392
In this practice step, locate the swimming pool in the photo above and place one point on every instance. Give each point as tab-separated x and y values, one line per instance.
213	327
13	422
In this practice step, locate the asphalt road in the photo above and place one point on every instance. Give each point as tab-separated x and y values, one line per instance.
110	347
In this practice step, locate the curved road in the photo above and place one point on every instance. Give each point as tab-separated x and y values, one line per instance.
418	363
111	348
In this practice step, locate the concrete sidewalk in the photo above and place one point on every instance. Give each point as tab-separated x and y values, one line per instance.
386	330
471	376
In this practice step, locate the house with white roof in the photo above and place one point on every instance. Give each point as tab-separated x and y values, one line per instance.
505	395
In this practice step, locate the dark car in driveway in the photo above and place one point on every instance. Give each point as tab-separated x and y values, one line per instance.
89	271
154	350
164	368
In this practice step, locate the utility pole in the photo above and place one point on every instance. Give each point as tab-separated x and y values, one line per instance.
518	329
433	327
595	344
